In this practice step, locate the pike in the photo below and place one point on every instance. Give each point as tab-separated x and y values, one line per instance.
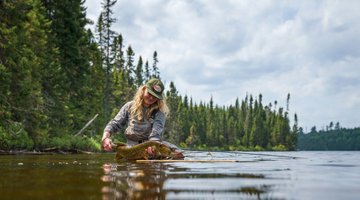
138	152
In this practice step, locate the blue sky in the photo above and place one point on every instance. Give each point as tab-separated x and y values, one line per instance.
227	49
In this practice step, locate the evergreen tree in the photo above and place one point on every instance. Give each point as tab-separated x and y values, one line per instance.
21	66
106	39
337	126
121	91
129	65
171	127
139	73
68	21
292	140
146	71
155	69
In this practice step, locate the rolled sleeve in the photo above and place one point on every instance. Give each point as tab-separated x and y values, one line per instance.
158	126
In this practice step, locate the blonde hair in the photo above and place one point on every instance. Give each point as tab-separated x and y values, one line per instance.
136	110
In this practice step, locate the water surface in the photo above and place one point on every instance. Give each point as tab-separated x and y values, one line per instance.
256	175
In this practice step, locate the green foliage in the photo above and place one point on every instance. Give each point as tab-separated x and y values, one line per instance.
279	147
250	126
94	143
333	139
15	138
259	148
68	142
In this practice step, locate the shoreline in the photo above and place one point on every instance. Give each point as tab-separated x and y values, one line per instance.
48	151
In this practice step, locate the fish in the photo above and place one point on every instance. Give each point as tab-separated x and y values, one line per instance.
138	152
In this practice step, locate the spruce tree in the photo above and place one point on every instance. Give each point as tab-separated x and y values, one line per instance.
155	69
139	80
68	21
106	38
22	62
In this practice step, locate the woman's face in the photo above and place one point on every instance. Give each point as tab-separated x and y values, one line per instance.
149	99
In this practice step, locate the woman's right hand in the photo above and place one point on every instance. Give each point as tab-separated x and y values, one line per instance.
106	144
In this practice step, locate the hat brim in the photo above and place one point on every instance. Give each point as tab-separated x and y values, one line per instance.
154	94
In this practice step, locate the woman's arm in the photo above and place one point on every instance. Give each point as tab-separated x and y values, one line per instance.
158	126
114	126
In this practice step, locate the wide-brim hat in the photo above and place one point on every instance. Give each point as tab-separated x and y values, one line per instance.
155	87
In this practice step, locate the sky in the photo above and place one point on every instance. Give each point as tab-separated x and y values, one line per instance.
232	48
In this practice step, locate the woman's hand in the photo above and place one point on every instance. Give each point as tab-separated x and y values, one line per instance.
150	151
106	144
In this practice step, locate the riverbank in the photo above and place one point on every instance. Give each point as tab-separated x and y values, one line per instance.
47	151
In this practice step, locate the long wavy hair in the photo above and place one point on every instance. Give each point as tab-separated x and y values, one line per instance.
136	110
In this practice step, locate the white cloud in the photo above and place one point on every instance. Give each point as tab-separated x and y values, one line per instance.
226	49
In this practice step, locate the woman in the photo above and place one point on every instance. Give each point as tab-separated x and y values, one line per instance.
144	116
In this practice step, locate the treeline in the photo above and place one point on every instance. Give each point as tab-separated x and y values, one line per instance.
55	75
332	138
247	125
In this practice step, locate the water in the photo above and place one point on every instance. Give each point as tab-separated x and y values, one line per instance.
257	175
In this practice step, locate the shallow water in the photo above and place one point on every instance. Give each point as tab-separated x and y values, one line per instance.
257	175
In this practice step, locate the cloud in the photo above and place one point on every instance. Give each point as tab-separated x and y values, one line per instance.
227	49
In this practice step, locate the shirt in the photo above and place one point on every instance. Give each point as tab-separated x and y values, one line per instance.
146	129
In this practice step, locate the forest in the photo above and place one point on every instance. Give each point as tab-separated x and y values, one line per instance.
56	75
334	137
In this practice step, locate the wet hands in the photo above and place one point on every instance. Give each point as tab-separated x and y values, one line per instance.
106	144
150	151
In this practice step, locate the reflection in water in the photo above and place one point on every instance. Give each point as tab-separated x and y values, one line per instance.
312	175
129	180
273	175
134	181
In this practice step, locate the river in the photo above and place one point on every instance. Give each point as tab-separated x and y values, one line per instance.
255	175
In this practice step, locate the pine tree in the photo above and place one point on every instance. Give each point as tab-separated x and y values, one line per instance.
171	127
294	134
146	71
121	90
139	80
106	38
129	65
21	65
155	69
68	21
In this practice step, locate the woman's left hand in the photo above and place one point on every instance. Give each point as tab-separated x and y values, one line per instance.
150	151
